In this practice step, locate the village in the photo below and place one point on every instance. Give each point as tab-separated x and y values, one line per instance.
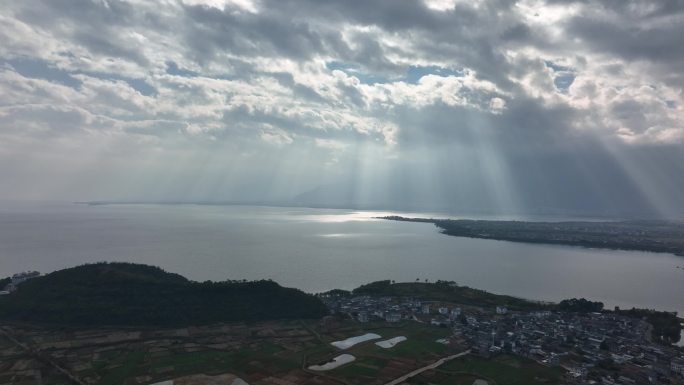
365	339
592	348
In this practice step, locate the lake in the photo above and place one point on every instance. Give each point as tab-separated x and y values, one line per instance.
321	249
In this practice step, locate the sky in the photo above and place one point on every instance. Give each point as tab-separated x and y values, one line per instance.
531	106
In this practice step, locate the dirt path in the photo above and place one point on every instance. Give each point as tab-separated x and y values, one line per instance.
433	365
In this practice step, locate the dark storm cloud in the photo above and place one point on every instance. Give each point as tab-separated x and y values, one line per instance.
633	30
523	127
463	36
623	36
211	30
93	24
103	13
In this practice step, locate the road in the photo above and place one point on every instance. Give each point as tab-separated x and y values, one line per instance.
433	365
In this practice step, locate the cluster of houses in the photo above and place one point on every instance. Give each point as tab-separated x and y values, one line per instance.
17	279
367	308
602	348
593	348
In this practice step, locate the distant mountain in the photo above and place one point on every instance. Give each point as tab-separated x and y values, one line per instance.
463	197
134	294
335	195
405	197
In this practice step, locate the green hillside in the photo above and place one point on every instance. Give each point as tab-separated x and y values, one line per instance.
445	291
133	294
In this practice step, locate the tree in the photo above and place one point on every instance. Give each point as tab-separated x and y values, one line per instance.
607	364
666	326
462	318
580	305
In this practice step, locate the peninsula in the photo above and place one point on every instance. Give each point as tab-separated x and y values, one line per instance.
642	235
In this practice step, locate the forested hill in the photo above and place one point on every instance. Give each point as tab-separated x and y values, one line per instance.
448	292
133	294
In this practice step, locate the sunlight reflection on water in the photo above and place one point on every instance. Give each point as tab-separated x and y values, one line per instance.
321	249
349	216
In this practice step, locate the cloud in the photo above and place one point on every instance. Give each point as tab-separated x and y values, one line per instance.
365	91
275	136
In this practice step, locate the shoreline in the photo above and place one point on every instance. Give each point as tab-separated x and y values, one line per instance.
594	235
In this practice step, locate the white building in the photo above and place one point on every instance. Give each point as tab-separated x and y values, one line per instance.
25	276
677	366
439	322
501	310
455	313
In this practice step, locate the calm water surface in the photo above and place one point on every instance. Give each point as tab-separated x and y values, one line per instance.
320	249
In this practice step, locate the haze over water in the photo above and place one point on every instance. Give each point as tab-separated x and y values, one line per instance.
322	249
